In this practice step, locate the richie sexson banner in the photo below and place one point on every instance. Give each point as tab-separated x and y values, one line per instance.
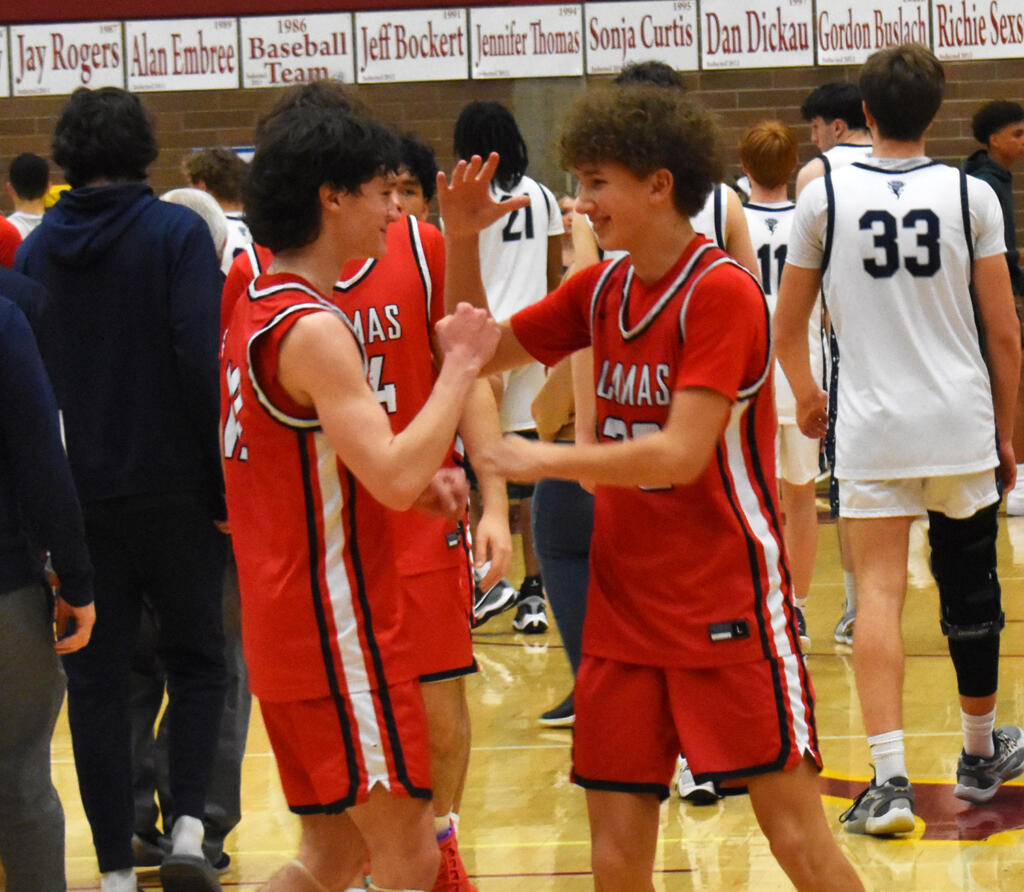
977	29
618	34
756	33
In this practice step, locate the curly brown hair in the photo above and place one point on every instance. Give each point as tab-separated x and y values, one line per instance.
646	128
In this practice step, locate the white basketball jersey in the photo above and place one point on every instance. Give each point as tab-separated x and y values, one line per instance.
769	226
514	267
710	219
896	240
843	153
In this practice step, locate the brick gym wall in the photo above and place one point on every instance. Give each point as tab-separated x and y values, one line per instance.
188	120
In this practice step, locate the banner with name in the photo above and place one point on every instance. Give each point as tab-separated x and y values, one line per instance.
281	50
58	59
181	54
618	34
411	45
526	41
5	83
756	33
986	29
848	31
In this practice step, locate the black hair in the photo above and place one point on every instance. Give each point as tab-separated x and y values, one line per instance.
323	93
835	100
419	160
485	127
300	149
993	117
29	176
103	134
902	87
658	74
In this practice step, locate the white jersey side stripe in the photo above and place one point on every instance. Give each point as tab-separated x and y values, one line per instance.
752	511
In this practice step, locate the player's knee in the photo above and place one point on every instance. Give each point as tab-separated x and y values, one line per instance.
963	557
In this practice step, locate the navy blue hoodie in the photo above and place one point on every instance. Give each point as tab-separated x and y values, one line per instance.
130	338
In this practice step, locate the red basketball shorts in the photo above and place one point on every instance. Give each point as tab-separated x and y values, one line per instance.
729	721
331	752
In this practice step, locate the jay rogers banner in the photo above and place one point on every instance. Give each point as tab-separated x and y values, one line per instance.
530	41
848	31
56	59
756	33
181	54
281	50
618	34
992	29
411	45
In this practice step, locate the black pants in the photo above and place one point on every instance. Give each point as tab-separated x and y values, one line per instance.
167	547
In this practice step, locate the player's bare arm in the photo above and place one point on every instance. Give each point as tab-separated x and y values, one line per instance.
467	207
798	291
480	427
737	235
810	171
320	367
1002	352
675	455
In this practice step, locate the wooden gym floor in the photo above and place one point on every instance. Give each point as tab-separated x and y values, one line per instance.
524	825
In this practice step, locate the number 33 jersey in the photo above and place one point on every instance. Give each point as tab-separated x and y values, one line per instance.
896	240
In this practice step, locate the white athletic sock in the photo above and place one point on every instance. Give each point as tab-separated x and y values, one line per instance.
851	591
187	836
443	826
454	815
978	733
119	881
887	754
800	602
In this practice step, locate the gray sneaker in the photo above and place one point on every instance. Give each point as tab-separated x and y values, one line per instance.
882	809
978	778
844	629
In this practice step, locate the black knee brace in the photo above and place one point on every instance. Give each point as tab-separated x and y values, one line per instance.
963	558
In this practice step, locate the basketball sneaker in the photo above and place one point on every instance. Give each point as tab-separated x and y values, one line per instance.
562	716
801	626
843	633
690	790
497	599
882	809
978	778
451	875
531	614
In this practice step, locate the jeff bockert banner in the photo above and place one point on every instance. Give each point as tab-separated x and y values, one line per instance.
60	58
281	50
756	33
618	34
526	41
181	54
993	29
411	45
848	31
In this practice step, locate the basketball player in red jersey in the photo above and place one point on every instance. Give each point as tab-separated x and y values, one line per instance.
690	642
316	476
393	303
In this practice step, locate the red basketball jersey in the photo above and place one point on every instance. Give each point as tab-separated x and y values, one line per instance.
680	575
315	551
393	303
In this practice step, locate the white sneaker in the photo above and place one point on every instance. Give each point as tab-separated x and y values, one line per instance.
843	633
1015	497
690	790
